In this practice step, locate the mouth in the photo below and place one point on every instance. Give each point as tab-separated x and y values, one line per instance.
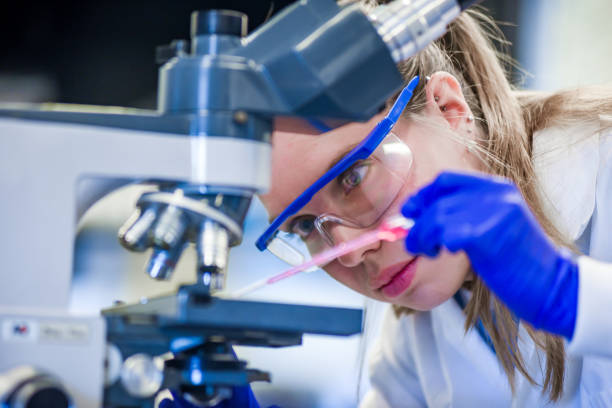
393	281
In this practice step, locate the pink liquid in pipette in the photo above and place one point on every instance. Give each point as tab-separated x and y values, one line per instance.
388	231
382	234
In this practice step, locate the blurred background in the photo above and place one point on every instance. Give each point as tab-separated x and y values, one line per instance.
102	53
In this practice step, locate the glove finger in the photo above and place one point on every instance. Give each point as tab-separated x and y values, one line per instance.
422	239
452	222
459	235
166	403
426	234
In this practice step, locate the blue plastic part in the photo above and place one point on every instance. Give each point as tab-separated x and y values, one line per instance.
360	152
242	397
319	125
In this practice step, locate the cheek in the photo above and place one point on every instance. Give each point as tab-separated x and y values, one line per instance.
436	153
350	277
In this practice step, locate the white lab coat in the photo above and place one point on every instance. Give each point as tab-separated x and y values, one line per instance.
426	359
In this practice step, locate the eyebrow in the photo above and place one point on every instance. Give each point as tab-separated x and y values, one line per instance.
335	161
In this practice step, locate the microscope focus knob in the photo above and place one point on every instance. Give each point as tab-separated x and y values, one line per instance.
41	393
221	22
27	387
142	375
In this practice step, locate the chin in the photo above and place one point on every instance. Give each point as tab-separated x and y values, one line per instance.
423	299
437	280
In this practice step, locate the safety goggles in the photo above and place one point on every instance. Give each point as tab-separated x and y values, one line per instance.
354	193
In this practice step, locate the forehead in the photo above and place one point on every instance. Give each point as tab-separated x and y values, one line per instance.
299	159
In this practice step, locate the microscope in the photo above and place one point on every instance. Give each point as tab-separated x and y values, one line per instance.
206	149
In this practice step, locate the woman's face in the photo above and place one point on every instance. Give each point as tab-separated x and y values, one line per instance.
385	271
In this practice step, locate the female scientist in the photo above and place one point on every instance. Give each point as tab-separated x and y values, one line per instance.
506	190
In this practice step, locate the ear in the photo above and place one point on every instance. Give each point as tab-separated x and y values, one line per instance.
445	98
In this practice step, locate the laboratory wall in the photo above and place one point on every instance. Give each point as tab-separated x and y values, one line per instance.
564	43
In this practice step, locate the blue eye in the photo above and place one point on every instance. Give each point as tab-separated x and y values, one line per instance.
353	177
302	226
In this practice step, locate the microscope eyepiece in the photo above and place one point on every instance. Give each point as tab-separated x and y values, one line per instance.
220	22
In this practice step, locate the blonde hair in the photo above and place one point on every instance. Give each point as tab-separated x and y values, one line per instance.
507	120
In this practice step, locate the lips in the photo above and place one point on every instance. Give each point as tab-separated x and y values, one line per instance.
394	280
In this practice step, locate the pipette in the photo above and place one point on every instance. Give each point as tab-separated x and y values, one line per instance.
390	230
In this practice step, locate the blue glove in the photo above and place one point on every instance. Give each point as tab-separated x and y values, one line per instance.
242	397
487	218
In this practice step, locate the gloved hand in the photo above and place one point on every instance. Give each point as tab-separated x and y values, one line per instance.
488	218
242	397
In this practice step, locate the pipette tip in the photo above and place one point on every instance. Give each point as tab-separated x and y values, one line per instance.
248	289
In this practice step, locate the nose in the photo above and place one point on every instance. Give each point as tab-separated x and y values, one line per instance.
342	233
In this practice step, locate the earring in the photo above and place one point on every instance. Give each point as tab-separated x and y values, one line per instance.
436	98
443	108
427	78
470	119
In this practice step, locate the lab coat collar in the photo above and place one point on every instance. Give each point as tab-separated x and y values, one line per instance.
566	161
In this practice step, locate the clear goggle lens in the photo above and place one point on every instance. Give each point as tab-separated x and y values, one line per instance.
358	198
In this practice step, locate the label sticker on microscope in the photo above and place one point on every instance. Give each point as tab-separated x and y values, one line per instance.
20	330
78	333
64	332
